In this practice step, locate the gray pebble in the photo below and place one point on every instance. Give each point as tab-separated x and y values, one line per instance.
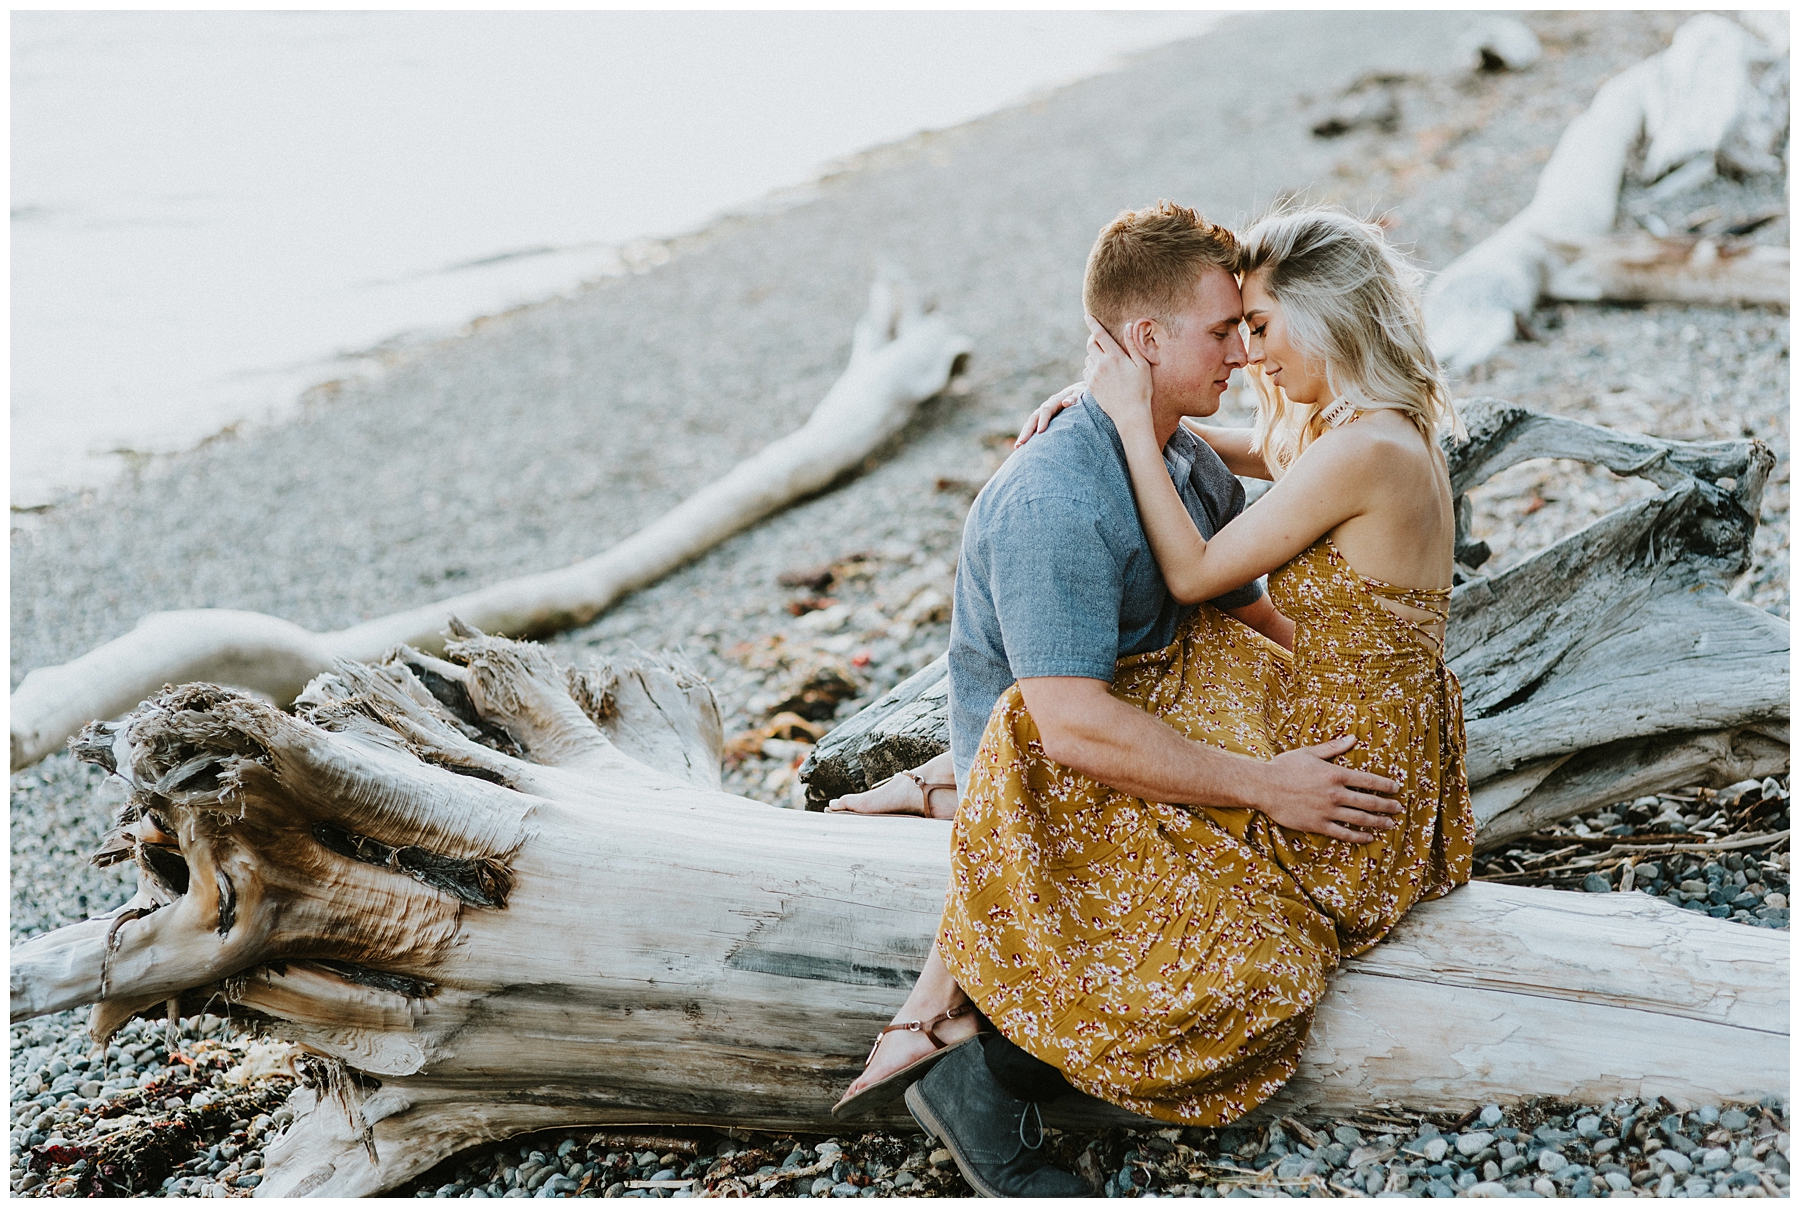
1473	1143
1674	1159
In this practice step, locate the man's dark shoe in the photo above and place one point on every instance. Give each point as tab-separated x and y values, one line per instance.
994	1136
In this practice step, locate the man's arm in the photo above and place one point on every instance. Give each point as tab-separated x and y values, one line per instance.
1085	727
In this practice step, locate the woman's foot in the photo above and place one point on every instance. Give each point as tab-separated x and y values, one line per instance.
901	793
907	1042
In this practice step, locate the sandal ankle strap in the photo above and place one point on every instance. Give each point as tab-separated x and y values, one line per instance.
926	1026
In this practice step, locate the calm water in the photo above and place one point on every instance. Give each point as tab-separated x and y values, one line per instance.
212	210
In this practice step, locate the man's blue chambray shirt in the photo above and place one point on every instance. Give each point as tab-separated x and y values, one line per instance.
1056	575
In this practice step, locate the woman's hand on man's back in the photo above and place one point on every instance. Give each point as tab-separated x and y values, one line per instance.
1046	411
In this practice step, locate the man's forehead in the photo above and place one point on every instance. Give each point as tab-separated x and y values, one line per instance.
1219	300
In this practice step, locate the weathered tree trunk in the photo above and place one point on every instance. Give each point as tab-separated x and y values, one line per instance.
1609	665
899	357
489	895
1690	270
1695	99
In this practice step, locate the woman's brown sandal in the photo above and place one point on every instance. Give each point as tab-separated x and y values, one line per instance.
926	789
891	1087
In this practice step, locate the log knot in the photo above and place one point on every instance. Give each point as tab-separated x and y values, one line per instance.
479	881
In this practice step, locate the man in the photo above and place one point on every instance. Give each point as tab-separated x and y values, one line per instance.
1055	584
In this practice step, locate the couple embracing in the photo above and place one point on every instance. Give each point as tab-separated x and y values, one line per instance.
1179	800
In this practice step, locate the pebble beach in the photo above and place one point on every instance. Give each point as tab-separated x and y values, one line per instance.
544	435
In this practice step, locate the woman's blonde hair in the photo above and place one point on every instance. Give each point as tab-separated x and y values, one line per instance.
1353	302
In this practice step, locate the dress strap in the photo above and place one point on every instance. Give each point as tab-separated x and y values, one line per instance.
1435	600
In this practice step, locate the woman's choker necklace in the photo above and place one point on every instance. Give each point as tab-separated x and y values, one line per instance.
1343	409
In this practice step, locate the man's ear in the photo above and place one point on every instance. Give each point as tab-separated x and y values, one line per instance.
1145	333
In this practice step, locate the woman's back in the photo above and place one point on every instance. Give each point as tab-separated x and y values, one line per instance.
1405	534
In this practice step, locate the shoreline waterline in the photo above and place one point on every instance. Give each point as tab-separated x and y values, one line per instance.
168	290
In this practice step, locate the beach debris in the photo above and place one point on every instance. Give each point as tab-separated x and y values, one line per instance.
1716	96
1371	102
375	876
1499	44
900	356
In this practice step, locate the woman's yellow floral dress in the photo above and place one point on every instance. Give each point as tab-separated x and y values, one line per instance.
1168	958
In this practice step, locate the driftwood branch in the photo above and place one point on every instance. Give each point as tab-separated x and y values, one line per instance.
1690	270
1694	101
899	357
1609	665
459	884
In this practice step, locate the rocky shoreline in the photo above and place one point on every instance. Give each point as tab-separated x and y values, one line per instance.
546	434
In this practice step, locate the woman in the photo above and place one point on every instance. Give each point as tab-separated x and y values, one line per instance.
1168	959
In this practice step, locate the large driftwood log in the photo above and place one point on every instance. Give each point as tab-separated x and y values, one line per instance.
1690	270
1611	664
461	886
1694	101
899	357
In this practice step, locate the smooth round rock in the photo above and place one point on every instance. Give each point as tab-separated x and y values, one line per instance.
1674	1159
1470	1144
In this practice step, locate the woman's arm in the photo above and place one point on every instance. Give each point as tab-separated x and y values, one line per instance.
1233	447
1325	488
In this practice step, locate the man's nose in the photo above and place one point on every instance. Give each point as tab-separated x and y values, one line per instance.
1234	355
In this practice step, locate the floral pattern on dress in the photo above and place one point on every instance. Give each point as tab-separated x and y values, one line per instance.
1168	958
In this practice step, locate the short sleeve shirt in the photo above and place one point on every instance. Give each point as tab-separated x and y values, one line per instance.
1056	576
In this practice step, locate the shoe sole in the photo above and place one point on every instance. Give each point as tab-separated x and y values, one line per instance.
889	1088
935	1131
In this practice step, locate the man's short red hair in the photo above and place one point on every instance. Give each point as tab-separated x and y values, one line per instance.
1146	262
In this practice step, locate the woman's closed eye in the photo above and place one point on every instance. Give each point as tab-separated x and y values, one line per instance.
1257	331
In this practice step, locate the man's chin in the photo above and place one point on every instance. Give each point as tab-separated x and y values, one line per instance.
1203	408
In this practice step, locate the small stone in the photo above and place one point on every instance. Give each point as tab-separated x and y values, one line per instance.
1550	1161
1491	1115
1617	1181
1674	1159
1347	1136
1490	1171
845	1190
941	1158
1777	900
1596	882
1488	1190
904	1179
1435	1149
1714	1159
1544	1187
1588	1126
1733	1119
1470	1144
823	1185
